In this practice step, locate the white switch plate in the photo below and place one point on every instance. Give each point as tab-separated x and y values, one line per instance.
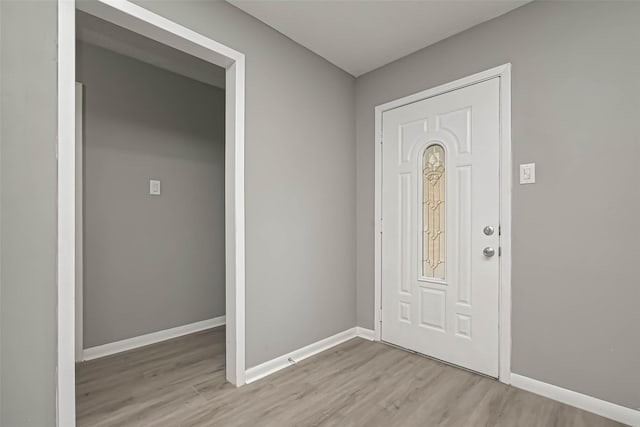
154	187
528	173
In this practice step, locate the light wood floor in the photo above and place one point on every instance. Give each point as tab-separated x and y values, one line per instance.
358	383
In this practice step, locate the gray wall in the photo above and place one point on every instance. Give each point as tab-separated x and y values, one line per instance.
300	182
150	262
27	213
576	100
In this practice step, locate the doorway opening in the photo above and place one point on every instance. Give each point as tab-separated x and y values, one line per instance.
152	213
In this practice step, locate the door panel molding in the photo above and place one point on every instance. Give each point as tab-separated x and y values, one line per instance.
503	72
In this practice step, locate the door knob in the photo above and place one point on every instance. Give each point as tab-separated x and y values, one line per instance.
488	252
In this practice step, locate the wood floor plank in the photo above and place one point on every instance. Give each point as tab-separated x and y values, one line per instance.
181	383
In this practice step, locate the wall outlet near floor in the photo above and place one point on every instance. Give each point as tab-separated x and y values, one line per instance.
154	187
528	173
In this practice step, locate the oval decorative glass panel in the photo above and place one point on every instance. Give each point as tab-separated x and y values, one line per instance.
433	212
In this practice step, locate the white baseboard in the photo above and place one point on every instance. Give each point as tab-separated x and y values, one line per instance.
606	409
365	333
274	365
155	337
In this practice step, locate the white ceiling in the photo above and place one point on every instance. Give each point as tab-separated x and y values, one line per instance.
362	35
95	31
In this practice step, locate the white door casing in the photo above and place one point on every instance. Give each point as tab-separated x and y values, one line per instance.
450	310
79	249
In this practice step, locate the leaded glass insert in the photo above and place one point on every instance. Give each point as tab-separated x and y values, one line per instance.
433	212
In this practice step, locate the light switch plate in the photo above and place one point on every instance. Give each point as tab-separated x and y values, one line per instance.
528	173
154	187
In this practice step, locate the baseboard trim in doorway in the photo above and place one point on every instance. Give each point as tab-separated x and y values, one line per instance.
274	365
606	409
152	338
365	333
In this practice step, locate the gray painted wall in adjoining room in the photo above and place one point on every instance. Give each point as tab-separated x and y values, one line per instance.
27	213
150	262
576	99
300	182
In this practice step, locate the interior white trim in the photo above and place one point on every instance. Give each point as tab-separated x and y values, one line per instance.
506	189
504	73
606	409
79	222
365	333
234	223
274	365
142	21
66	271
152	338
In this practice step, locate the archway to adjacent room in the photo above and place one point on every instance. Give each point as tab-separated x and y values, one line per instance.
162	30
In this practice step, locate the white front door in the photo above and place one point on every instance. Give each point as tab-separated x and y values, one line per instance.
440	239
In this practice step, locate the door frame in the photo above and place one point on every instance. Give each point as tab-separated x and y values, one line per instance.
79	220
503	72
142	21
